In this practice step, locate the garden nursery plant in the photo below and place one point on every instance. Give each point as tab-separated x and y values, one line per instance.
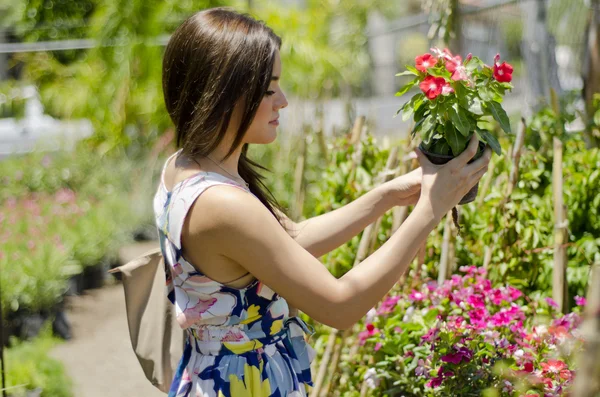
457	99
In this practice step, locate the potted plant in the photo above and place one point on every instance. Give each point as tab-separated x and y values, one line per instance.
457	99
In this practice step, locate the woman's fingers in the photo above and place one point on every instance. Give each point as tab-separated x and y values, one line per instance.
474	178
481	162
459	162
424	162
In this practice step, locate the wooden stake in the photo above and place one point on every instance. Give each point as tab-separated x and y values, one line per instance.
587	381
334	362
357	130
443	273
516	157
560	230
315	392
299	178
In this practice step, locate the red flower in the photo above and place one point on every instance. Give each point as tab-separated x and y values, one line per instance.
528	367
425	61
502	71
554	366
432	86
370	327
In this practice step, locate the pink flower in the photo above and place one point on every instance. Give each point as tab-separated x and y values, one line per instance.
416	296
460	73
388	305
552	303
447	89
431	335
514	293
422	62
377	346
468	269
477	301
479	317
432	86
461	354
420	370
580	301
442	374
553	366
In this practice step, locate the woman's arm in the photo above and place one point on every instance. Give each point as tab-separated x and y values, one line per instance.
324	233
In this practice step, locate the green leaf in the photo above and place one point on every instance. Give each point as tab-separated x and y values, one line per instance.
597	117
491	140
407	73
499	115
486	94
427	130
461	122
407	87
441	147
413	69
439	72
456	140
475	106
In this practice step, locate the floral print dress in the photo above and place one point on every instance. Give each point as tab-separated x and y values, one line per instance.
238	341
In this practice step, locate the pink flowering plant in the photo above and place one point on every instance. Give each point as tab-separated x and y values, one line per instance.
467	337
457	98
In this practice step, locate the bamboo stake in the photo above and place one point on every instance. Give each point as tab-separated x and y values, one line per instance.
443	273
357	130
486	184
560	230
334	363
315	392
321	134
516	157
299	177
587	381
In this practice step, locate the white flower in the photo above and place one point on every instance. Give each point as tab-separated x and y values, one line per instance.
409	313
371	378
371	314
519	353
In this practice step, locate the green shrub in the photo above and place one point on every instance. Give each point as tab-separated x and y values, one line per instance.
29	367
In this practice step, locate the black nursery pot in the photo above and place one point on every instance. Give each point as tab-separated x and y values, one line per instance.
440	159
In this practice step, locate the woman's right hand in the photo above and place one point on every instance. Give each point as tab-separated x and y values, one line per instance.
443	186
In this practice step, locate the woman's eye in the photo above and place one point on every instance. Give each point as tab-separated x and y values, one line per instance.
269	93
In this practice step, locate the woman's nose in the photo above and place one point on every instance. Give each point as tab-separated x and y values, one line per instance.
281	102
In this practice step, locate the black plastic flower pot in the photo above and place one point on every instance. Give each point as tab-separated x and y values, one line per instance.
95	276
441	159
75	285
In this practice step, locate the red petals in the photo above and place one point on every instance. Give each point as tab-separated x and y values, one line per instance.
502	71
425	61
432	86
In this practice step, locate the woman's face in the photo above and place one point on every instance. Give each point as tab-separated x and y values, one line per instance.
264	126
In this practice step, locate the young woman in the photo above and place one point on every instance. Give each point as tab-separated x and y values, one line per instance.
234	260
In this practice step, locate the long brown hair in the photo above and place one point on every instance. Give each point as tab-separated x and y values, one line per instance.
215	59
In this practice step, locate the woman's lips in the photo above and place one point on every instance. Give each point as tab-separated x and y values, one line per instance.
274	122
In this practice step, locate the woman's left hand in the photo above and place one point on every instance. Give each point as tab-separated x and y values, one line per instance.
405	189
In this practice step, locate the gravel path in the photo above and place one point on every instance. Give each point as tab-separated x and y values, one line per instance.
99	357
